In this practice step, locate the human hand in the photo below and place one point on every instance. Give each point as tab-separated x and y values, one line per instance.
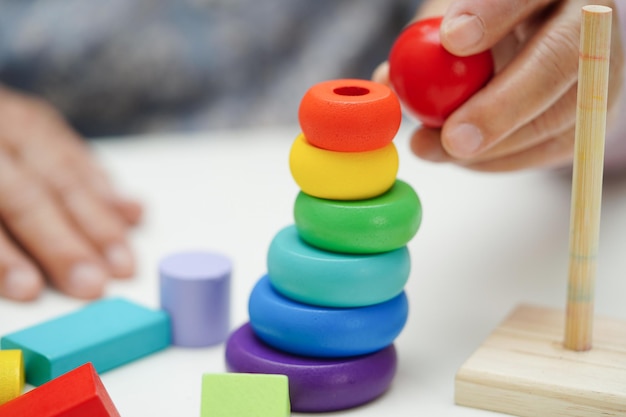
60	218
524	117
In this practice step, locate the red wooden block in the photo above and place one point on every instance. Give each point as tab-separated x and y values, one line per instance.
78	393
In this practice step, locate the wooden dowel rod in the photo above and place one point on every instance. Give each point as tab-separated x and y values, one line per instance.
593	76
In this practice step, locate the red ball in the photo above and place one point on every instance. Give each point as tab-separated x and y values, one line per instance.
349	115
431	82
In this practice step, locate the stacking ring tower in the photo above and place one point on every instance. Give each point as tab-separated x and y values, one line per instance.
328	310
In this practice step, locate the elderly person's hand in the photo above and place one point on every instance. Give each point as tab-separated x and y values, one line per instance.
60	219
524	117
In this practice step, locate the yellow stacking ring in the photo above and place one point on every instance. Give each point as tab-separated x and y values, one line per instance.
342	175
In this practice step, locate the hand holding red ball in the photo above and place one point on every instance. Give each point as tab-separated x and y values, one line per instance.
520	116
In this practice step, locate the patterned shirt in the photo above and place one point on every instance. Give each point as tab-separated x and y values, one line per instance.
122	66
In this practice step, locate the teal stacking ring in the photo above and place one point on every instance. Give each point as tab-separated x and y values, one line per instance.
324	332
313	276
378	224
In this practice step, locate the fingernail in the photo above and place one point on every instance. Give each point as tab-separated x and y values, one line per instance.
21	283
464	140
463	31
86	280
120	259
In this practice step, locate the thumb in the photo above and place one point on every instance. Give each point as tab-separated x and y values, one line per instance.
470	27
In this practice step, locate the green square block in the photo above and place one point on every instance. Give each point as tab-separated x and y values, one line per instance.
245	395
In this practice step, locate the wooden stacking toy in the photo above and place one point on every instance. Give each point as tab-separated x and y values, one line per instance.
541	361
332	303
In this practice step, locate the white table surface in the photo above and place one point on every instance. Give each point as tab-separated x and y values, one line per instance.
487	243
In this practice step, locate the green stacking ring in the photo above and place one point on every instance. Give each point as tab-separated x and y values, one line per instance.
378	224
313	276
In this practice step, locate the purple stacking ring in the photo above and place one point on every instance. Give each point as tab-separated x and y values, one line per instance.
195	292
315	384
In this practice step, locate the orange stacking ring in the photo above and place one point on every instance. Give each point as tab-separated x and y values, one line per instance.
342	175
349	115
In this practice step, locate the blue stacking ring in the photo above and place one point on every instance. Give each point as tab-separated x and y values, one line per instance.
314	276
324	332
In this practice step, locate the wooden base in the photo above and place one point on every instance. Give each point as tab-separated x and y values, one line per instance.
523	369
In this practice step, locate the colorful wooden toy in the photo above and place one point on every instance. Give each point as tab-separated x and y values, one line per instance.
342	175
242	395
523	369
539	361
349	115
324	332
195	292
316	385
314	276
329	309
375	225
108	333
77	393
11	374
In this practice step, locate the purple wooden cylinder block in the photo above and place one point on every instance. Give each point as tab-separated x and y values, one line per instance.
195	291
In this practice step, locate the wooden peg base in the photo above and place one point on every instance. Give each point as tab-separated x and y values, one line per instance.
523	369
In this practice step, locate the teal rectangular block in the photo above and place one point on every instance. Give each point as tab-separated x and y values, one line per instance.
108	333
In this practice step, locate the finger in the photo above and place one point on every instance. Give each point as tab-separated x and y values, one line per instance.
470	27
104	229
130	210
99	221
92	177
34	219
99	182
426	144
381	73
73	160
47	144
553	153
555	121
559	119
19	278
546	68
